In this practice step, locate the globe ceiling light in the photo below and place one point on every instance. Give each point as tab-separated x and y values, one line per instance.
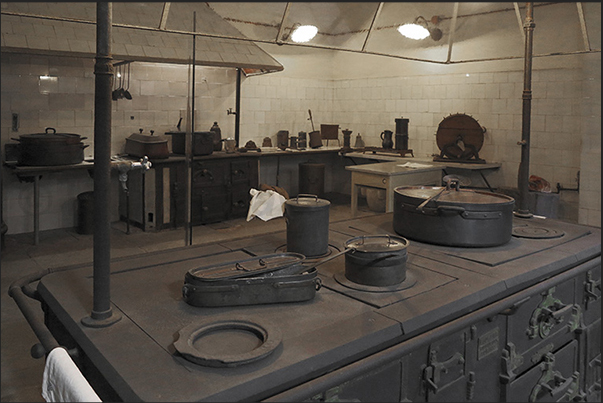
421	29
413	31
304	33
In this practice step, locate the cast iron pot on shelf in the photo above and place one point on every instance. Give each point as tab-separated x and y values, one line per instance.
50	148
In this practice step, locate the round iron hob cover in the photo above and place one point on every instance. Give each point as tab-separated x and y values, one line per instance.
527	231
261	339
408	282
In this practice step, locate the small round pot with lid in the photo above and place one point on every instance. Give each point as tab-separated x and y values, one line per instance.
452	216
376	260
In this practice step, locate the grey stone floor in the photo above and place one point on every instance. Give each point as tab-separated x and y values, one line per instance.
21	375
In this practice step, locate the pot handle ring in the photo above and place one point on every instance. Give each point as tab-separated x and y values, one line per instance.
457	209
307	196
54	131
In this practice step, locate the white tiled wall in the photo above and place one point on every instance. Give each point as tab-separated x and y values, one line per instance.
160	96
565	130
274	102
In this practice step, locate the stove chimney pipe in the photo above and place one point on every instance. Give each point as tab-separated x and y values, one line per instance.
102	314
523	209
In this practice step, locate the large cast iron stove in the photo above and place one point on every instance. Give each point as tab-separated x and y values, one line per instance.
466	322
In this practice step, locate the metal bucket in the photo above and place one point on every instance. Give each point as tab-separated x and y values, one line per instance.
311	178
307	219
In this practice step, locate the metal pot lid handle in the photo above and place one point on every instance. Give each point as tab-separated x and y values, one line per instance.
54	131
452	183
359	244
306	196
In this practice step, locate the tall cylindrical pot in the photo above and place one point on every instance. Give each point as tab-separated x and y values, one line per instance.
307	219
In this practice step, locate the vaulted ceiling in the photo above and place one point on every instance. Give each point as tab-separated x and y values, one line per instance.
470	30
228	32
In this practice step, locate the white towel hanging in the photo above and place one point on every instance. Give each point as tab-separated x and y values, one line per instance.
62	380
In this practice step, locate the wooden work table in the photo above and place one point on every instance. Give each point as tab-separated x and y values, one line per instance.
389	172
479	168
388	176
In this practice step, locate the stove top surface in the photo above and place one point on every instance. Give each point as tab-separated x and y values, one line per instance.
341	324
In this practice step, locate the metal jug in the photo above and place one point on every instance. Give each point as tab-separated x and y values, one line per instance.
230	145
386	137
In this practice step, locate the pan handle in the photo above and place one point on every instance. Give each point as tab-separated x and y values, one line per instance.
12	138
453	209
451	183
343	252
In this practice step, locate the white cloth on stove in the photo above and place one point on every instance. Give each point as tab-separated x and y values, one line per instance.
265	204
62	380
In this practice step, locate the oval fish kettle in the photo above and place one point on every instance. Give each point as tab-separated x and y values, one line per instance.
263	279
254	266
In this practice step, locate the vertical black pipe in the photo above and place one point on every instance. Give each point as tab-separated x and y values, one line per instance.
189	151
102	314
238	107
523	209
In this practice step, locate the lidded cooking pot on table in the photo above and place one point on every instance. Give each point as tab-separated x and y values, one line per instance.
452	216
307	219
141	145
50	148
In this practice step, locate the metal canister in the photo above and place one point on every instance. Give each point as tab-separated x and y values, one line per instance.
282	139
307	219
301	140
311	178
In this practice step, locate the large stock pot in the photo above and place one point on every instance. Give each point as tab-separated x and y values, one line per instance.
50	148
452	216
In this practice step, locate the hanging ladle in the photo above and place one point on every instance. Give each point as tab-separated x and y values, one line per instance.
126	92
115	94
121	82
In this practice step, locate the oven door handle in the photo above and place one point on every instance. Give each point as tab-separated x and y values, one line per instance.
513	308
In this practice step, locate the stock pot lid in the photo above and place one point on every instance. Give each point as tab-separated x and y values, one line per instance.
307	202
50	134
246	268
452	195
377	243
147	138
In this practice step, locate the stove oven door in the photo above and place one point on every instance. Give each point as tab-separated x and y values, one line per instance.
555	379
538	325
464	366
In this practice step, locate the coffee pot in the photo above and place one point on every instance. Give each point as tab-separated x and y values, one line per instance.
386	137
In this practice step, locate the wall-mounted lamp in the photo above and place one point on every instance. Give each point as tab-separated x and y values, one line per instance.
421	29
303	33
